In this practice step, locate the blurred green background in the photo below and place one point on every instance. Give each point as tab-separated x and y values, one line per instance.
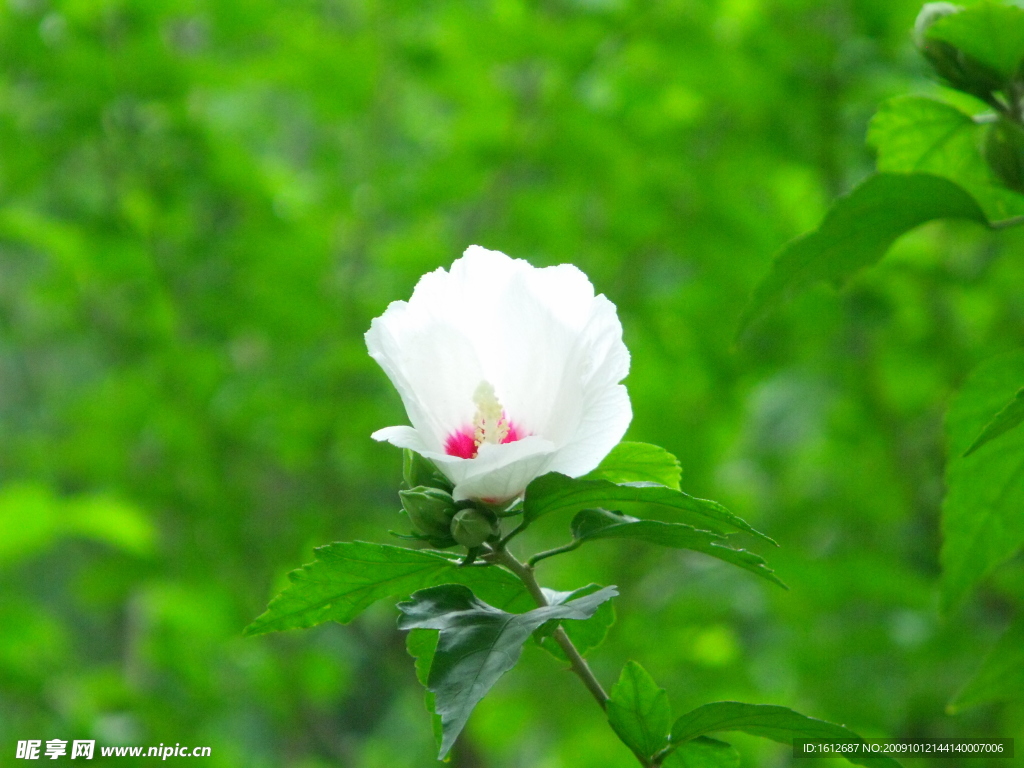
204	204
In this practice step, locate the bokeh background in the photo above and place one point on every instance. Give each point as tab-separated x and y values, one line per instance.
204	203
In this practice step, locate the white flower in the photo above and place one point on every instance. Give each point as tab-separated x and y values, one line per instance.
506	371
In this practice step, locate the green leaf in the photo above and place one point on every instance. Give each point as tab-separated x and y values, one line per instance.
112	521
982	524
1001	677
639	712
347	577
477	644
592	524
771	722
33	518
914	134
991	32
638	463
557	493
421	645
857	231
1009	417
703	752
586	634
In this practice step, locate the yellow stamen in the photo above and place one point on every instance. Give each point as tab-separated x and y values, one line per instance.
489	424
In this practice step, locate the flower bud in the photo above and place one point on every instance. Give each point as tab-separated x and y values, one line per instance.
471	527
429	509
417	471
931	13
1004	152
960	70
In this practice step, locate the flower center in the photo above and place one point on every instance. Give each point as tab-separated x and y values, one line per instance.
490	425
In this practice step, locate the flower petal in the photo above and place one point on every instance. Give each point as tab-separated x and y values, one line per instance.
605	421
402	437
500	472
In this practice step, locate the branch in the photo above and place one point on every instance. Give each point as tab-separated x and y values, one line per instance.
579	665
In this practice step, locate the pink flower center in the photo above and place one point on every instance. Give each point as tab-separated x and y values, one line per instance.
463	442
490	425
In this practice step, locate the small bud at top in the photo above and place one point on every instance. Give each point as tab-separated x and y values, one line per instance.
931	13
960	70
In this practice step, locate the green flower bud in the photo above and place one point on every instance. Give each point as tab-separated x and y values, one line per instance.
1004	152
471	527
958	69
417	471
430	510
931	13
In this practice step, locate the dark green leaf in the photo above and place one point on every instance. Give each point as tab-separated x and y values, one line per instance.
982	524
857	231
914	134
591	524
478	643
347	577
1009	417
421	645
638	463
1001	677
990	32
703	752
776	723
639	712
557	493
586	634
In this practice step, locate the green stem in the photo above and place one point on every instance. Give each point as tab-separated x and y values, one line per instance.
552	552
511	535
1007	223
524	571
579	666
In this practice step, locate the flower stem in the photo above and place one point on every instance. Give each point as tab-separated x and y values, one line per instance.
508	537
579	665
525	573
552	552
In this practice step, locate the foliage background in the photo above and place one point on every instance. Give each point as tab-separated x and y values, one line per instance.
203	204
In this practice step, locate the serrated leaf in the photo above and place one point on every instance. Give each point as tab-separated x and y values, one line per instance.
857	231
421	645
1001	677
914	134
638	463
703	752
477	644
990	32
771	722
982	523
1011	415
593	524
553	493
585	635
639	712
347	577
